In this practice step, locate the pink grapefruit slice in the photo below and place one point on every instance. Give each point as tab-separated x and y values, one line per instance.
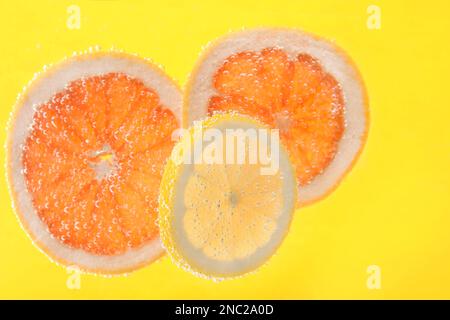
305	86
87	143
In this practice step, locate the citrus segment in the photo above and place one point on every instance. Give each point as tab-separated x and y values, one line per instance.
224	218
303	86
297	97
85	167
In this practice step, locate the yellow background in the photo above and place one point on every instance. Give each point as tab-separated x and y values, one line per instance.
393	210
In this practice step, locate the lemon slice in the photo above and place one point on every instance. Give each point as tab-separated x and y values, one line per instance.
224	208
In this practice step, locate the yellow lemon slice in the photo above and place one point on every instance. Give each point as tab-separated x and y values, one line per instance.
227	196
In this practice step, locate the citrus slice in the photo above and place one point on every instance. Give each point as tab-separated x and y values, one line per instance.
305	86
222	216
87	143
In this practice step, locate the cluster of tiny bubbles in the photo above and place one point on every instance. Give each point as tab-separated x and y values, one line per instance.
89	50
175	256
305	99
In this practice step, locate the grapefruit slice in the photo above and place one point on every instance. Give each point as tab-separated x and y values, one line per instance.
86	148
221	218
305	86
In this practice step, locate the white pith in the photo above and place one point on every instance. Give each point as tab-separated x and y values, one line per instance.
293	42
40	91
103	168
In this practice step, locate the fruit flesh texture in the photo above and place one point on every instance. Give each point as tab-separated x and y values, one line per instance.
296	96
231	209
93	162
